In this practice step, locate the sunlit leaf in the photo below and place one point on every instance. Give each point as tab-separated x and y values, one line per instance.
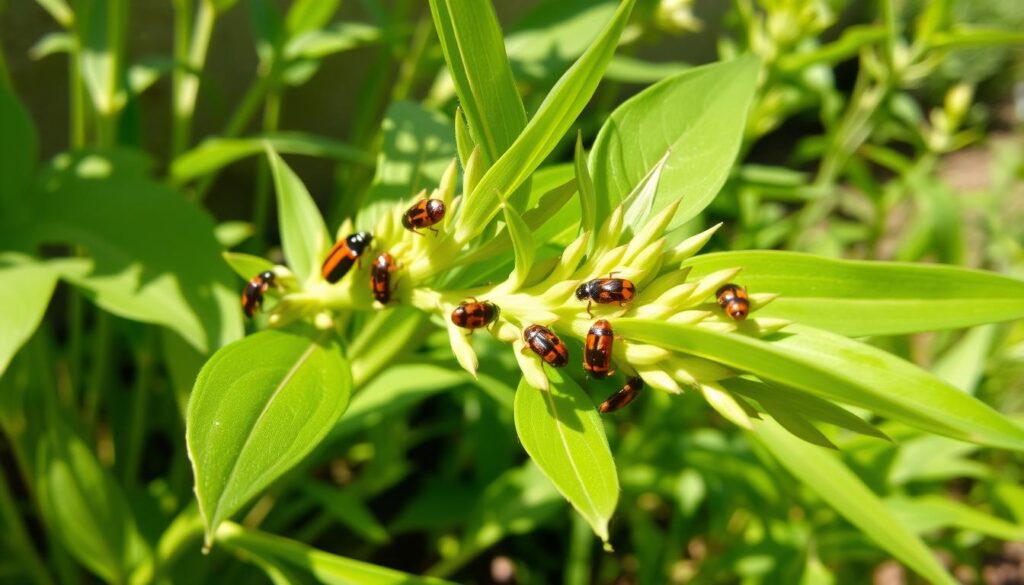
304	236
22	307
258	407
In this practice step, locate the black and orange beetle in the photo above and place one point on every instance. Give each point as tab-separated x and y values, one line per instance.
380	277
597	353
252	296
733	299
343	255
424	214
624	396
475	314
547	345
606	290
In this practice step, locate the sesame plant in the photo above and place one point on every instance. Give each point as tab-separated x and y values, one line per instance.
538	333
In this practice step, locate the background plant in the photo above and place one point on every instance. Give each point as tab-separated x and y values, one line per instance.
94	400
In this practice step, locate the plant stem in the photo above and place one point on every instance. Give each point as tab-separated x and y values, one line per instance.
145	360
100	365
18	536
186	530
581	550
187	86
271	117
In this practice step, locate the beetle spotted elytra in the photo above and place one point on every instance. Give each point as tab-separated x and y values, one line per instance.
343	255
623	396
380	277
547	345
252	295
597	352
475	314
734	301
423	214
606	290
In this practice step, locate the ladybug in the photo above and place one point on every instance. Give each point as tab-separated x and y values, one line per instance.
733	299
475	314
597	353
252	296
606	290
624	396
547	345
343	255
380	277
424	214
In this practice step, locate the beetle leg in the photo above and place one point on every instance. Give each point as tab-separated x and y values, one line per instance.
433	230
589	302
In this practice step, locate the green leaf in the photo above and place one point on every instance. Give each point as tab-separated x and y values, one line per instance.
304	236
562	432
324	567
151	257
522	243
475	52
858	298
840	369
216	153
18	151
963	365
246	265
553	35
336	38
59	10
307	15
698	117
102	29
258	407
823	473
418	146
23	306
587	191
964	36
925	514
547	127
84	507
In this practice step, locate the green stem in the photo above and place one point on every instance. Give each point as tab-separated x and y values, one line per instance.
145	361
261	205
102	345
581	551
18	538
188	85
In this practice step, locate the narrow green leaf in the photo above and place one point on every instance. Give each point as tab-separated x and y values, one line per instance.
964	364
848	297
333	39
840	369
925	514
556	114
586	189
522	243
258	407
18	151
324	567
59	10
553	35
976	37
307	15
216	153
84	506
562	432
475	52
698	116
824	474
22	306
304	236
151	254
463	139
102	30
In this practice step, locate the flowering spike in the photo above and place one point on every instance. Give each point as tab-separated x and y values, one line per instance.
530	364
726	404
658	378
690	246
651	231
462	349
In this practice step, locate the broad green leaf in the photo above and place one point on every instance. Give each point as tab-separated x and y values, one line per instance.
925	514
522	243
556	114
418	146
475	52
563	434
102	31
307	15
858	298
258	407
18	152
215	153
348	510
697	117
824	474
232	233
324	567
840	369
151	255
626	69
84	506
247	266
23	302
304	236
